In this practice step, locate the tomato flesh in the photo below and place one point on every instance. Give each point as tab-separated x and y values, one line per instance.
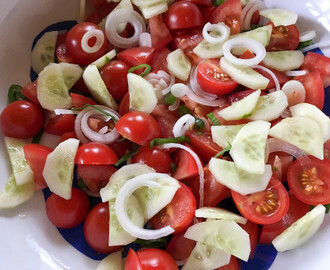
61	124
180	247
283	38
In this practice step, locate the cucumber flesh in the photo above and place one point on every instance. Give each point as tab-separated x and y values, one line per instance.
154	10
222	234
301	230
284	60
59	166
228	174
103	60
207	50
244	75
302	132
71	74
21	169
178	64
279	16
219	213
221	135
241	109
43	52
142	96
113	261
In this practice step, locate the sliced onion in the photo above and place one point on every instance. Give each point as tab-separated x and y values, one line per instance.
308	35
195	87
93	33
271	73
248	11
219	28
161	81
294	73
145	40
183	124
251	44
64	111
315	46
120	206
286	113
277	145
294	91
199	166
207	126
118	17
174	106
179	90
220	102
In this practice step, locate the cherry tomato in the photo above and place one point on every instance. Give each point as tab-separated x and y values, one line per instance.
264	207
179	213
124	105
159	60
73	43
103	7
121	147
280	163
137	55
95	153
132	261
253	230
114	75
327	149
155	158
234	264
206	3
186	165
62	54
160	35
212	79
308	179
79	101
180	247
96	229
21	119
166	119
61	124
283	38
156	259
138	127
30	91
183	15
67	214
196	108
68	135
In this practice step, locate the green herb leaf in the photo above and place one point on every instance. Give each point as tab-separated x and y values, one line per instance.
199	124
160	141
304	44
183	109
218	2
36	138
157	243
81	183
173	167
135	149
169	99
275	169
227	149
213	119
96	108
14	93
327	208
147	69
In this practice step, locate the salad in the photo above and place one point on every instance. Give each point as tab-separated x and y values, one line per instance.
176	124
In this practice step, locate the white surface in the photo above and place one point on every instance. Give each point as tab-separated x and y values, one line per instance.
28	240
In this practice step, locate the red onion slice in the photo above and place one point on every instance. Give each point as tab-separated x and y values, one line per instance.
271	73
98	34
196	88
248	12
183	124
220	102
277	145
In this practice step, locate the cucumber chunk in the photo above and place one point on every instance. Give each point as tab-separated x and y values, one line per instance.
241	109
301	230
103	60
208	50
21	169
13	195
43	52
279	16
113	261
142	96
244	75
71	74
59	166
154	10
284	60
219	213
302	132
243	182
221	135
204	257
222	234
178	64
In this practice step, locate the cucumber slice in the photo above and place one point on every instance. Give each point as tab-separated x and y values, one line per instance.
219	213
21	169
119	178
244	75
208	50
113	261
270	107
13	195
243	182
71	74
43	52
117	235
52	91
248	147
241	109
59	166
279	16
105	58
284	60
221	135
178	64
311	111
301	230
144	3
222	234
204	257
142	96
302	132
153	10
97	88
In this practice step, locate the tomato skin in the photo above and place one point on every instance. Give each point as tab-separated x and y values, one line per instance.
186	165
156	259
73	44
67	214
68	135
160	35
166	119
280	163
61	124
121	147
180	247
21	119
30	91
95	153
248	204
283	38
132	261
326	148
234	264
79	101
159	60
253	230
124	105
96	229
62	54
137	55
138	127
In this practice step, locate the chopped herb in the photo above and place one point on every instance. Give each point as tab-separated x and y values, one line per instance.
275	169
327	208
147	69
135	149
160	141
156	243
213	119
122	139
218	2
36	139
74	91
227	149
173	167
81	183
96	108
14	93
200	133
304	44
199	124
183	109
170	99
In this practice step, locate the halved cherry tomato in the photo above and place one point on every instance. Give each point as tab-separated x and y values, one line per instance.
137	55
30	91
179	213
79	101
253	230
132	261
196	108
103	7
95	153
61	124
68	135
280	163
166	119
264	207
326	148
180	247
124	105
154	258
283	38
138	127
213	80
205	3
234	264
159	60
67	214
308	179
160	35
121	147
62	54
186	165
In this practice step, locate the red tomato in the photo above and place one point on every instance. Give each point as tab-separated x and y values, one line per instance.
61	124
79	101
230	13
327	149
35	155
95	176
160	35
314	88
280	164
183	15
132	261
205	3
67	214
155	158
212	79
30	91
114	75
138	127
124	105
166	119
283	38
121	147
196	108
230	122
93	18
264	207
95	153
308	179
253	230
21	119
237	96
62	54
156	259
296	210
159	61
179	213
96	229
103	7
81	86
180	247
68	135
314	61
234	264
137	55
73	43
186	165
